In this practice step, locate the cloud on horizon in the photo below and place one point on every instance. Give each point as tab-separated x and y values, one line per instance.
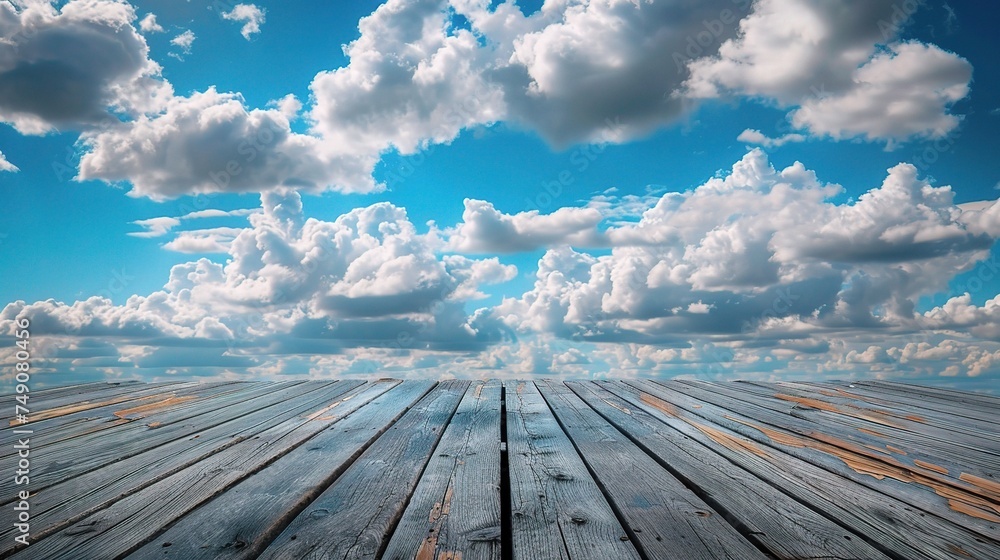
755	268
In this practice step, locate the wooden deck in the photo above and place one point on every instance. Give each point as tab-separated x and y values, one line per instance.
466	470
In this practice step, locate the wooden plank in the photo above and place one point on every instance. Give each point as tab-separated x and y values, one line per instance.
774	520
944	435
965	500
959	411
84	454
558	510
850	429
666	519
75	389
354	517
455	510
73	499
890	524
42	409
47	433
259	507
131	521
979	401
897	405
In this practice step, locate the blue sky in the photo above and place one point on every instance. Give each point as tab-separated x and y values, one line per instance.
431	188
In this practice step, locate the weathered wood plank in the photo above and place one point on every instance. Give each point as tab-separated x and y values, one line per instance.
558	510
848	428
257	509
354	517
74	388
47	433
958	407
896	525
42	409
455	510
777	522
83	454
949	418
899	425
69	501
965	499
666	519
133	520
980	401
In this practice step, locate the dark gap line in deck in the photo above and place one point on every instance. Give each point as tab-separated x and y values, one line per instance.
697	490
622	519
395	519
808	504
506	525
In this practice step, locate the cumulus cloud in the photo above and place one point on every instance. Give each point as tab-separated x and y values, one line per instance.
412	79
825	61
184	41
209	142
902	93
420	73
250	14
486	230
762	252
756	271
66	67
148	24
6	165
290	285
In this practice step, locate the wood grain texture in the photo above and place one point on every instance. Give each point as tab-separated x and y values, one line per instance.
883	518
72	499
557	509
52	407
779	524
261	506
354	517
131	521
142	403
666	519
455	509
93	451
922	486
458	470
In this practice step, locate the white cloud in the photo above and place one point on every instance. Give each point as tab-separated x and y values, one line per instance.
155	227
903	93
824	61
6	165
237	151
148	24
486	230
412	80
250	14
290	286
213	240
161	225
65	68
417	77
755	273
752	136
759	253
184	41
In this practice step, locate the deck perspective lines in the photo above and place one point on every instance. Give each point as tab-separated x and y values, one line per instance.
508	470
